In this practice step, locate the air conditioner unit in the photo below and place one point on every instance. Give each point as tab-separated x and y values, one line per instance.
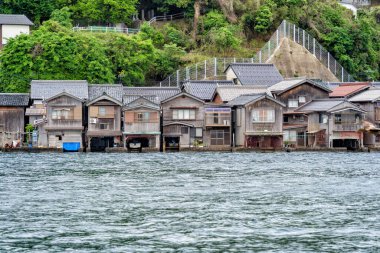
93	120
226	122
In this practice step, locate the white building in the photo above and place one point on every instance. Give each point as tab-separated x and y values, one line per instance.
13	25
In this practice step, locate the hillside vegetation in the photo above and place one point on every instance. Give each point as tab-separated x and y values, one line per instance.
219	28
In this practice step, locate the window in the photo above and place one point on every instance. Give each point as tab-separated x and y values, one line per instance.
262	115
62	114
293	103
198	132
323	118
184	130
142	116
286	119
102	111
377	138
186	114
302	118
338	118
219	137
103	126
290	136
302	99
357	118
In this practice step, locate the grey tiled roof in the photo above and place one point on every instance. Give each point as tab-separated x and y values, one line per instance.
290	83
227	93
367	96
256	73
113	90
162	93
127	99
204	89
11	19
44	89
15	99
320	105
244	99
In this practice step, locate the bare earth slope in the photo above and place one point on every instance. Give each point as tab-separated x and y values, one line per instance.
293	60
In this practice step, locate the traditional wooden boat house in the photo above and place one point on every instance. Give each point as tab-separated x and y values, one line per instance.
104	117
57	112
142	116
369	100
295	93
12	119
257	121
334	123
142	129
183	121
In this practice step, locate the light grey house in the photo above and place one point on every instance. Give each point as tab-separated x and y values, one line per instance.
257	121
41	92
369	101
333	123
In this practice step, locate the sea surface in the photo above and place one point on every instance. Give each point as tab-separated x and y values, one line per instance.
190	202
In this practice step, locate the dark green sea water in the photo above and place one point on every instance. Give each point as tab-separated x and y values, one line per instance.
190	202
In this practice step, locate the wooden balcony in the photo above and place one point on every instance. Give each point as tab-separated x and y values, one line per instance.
217	120
347	127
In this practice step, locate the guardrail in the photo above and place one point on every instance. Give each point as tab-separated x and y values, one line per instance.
357	3
106	29
214	67
166	18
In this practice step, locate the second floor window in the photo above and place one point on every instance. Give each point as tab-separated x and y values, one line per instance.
102	111
62	114
338	118
263	115
142	116
292	103
186	114
302	99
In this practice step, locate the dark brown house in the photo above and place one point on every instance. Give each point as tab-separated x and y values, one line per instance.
12	115
183	121
295	93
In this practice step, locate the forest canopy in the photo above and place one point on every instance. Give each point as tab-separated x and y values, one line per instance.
212	28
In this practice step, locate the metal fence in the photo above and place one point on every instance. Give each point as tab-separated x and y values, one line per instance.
166	18
214	68
105	29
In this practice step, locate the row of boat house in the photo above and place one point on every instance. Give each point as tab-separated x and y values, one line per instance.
254	108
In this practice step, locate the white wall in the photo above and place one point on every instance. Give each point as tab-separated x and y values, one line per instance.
11	31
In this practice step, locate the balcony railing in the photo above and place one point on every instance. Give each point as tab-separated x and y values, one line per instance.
347	127
220	120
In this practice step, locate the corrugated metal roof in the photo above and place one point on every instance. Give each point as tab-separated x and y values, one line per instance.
44	89
367	96
113	90
162	93
227	93
347	89
256	74
11	19
204	89
14	99
320	105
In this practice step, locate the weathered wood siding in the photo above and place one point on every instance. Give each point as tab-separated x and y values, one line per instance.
131	125
309	91
182	102
11	122
112	116
260	127
66	102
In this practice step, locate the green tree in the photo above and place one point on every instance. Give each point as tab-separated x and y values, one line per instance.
62	16
109	11
53	52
